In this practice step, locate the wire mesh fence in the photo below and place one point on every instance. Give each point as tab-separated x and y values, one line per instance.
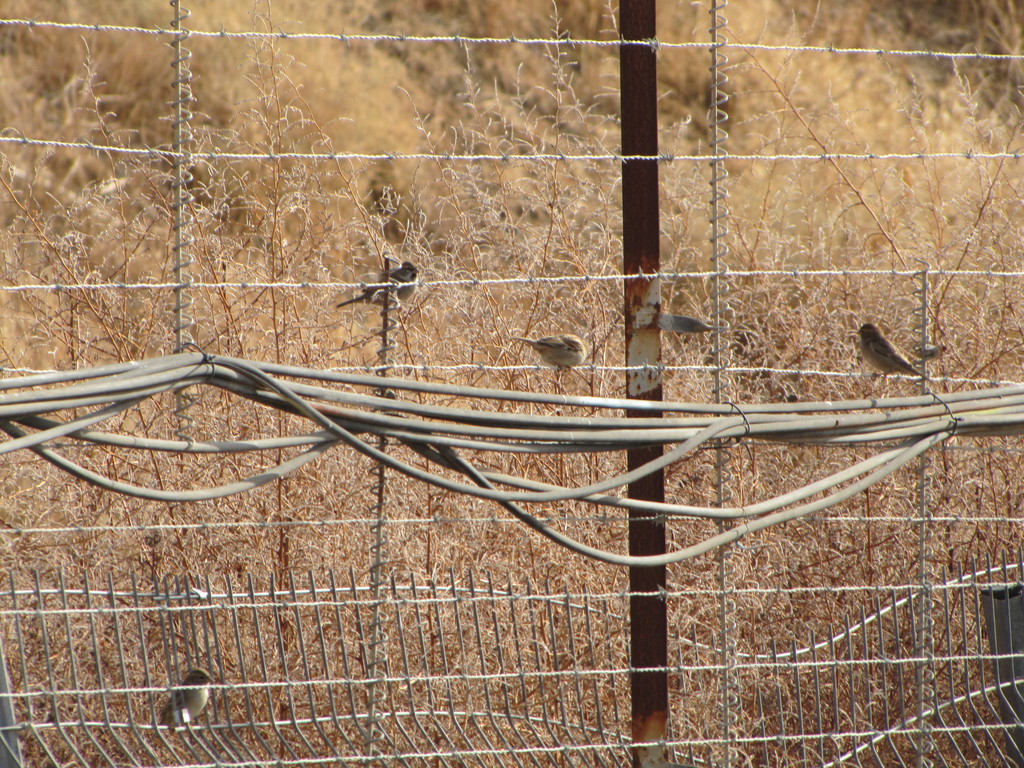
483	673
475	673
351	617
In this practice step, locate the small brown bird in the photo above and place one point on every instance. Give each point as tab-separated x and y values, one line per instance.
880	353
191	696
404	276
562	351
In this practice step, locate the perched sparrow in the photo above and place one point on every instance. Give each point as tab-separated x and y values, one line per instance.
406	273
683	324
563	351
191	696
881	354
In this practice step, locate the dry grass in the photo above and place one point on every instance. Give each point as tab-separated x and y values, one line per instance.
71	217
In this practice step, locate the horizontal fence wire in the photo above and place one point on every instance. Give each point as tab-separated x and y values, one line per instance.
511	40
439	290
609	157
531	280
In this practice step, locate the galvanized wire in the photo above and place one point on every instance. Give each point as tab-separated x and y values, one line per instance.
720	387
459	39
504	157
182	177
377	667
561	40
181	205
925	639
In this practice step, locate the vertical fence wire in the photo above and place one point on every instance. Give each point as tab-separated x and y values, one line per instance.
924	642
377	667
720	309
181	203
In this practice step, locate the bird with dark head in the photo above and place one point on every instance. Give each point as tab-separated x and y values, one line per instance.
188	700
881	354
404	279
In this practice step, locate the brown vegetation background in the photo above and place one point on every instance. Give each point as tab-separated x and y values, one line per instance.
74	217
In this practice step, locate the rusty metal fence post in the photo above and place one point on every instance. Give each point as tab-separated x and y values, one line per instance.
648	631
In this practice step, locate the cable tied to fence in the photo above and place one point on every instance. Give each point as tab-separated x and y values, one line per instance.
910	425
746	421
701	437
905	453
954	420
207	358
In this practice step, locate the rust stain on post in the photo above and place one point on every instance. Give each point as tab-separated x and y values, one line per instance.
643	342
648	628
